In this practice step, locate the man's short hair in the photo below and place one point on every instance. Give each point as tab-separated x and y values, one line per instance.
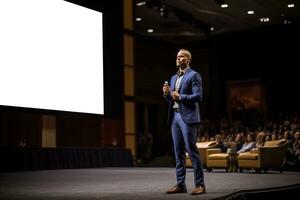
187	53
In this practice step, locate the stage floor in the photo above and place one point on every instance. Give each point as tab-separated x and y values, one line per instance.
130	183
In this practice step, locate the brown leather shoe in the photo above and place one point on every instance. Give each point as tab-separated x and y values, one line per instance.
177	189
199	190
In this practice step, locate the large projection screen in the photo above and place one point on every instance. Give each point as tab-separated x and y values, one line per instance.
51	56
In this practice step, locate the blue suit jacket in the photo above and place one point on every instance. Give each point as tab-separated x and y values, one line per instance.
190	91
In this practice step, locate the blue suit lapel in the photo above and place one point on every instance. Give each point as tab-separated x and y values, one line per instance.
173	82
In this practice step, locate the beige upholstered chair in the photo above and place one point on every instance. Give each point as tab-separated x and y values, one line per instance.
271	155
216	159
202	147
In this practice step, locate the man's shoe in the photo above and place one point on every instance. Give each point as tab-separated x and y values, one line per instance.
199	190
177	189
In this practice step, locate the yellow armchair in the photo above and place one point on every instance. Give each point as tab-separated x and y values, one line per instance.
202	147
217	159
271	155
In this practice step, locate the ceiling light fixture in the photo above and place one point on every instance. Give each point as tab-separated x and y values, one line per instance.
286	19
142	3
291	5
138	19
264	19
150	30
158	6
183	16
164	12
250	12
221	3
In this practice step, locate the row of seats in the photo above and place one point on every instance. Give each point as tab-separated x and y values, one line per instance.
270	156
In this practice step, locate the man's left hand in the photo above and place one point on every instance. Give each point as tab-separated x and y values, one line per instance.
175	95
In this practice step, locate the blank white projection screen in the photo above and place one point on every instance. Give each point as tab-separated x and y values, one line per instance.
51	56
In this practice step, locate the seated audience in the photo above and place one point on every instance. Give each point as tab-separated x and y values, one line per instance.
249	144
219	143
260	139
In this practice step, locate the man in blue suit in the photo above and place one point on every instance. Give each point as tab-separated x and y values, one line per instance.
184	95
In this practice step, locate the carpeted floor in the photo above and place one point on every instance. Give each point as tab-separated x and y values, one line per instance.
130	183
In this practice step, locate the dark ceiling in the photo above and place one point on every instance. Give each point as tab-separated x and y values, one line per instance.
183	21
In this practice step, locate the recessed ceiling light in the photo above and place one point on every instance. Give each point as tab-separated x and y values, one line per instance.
212	28
150	30
142	3
224	5
291	5
250	12
264	19
138	19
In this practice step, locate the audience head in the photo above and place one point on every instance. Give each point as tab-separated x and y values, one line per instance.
260	139
218	138
250	137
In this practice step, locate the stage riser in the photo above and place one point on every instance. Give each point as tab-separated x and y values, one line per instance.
21	159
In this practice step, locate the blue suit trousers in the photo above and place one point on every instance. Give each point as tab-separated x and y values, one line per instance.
184	139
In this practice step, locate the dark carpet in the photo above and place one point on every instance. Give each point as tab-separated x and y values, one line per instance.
131	183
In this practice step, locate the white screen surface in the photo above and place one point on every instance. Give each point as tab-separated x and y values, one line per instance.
51	56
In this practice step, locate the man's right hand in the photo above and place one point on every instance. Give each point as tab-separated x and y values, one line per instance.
166	89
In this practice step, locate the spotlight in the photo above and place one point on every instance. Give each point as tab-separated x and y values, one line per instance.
250	12
164	13
286	19
184	17
142	3
221	3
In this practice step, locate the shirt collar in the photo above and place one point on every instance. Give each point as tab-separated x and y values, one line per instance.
182	72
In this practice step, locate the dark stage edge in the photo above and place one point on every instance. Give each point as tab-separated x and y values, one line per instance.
141	183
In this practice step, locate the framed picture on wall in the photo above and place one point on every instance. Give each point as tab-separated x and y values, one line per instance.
246	96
